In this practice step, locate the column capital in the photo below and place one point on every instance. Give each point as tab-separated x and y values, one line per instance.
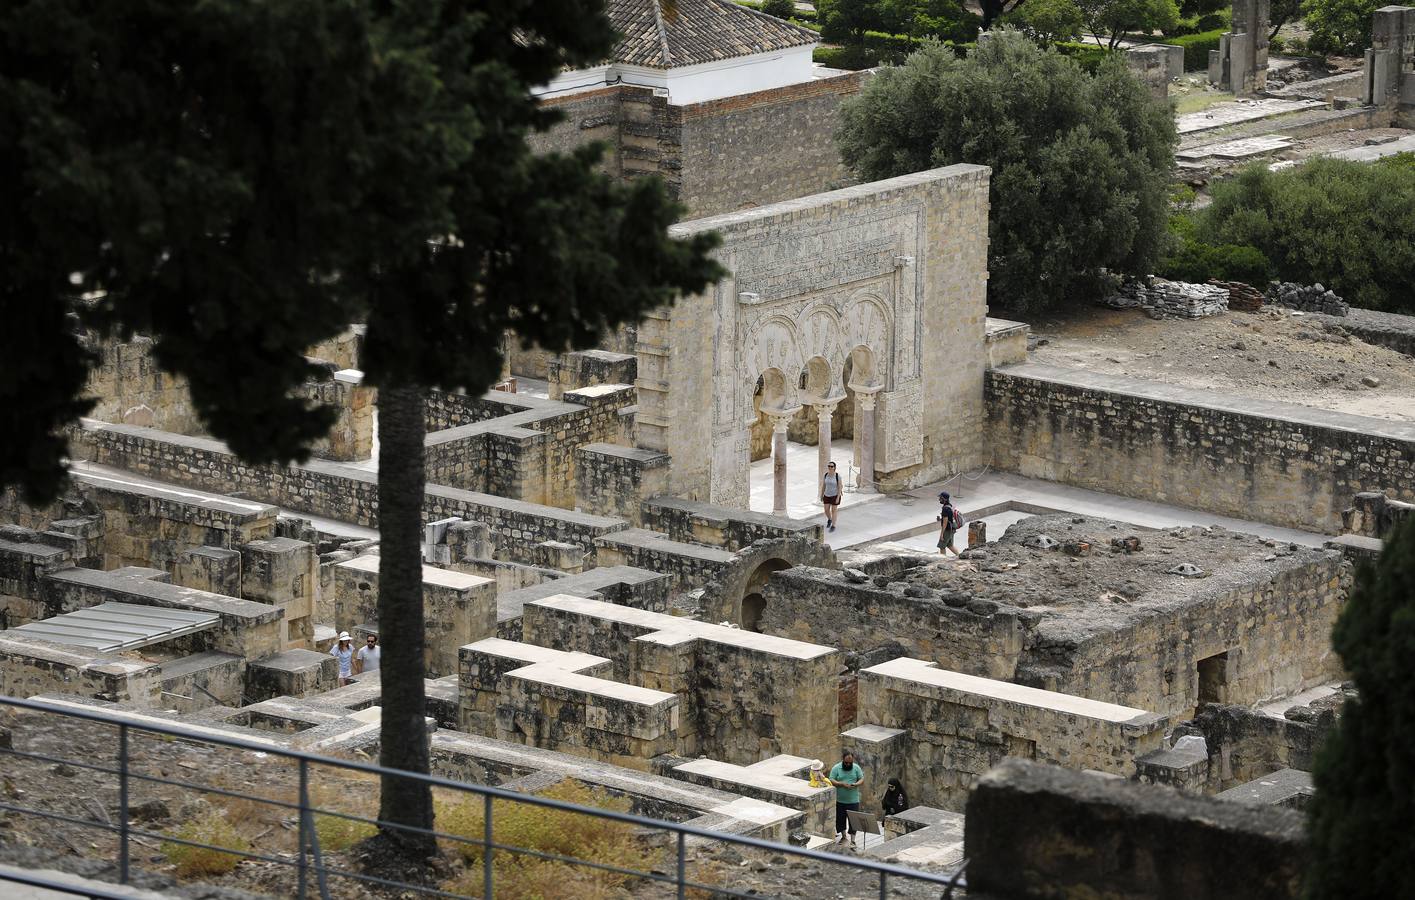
780	418
865	398
825	408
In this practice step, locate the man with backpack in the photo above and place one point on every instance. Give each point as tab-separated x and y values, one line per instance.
949	521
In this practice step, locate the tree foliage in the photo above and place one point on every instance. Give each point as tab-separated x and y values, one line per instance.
1349	225
1359	819
1339	27
1116	18
241	180
849	21
782	9
1047	21
1080	163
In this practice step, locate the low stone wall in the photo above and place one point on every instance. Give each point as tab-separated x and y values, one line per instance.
1274	462
351	436
324	488
248	629
611	480
744	696
959	726
828	607
1042	831
530	452
29	668
457	608
1245	744
721	526
688	564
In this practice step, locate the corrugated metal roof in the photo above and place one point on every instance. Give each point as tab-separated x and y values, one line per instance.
666	34
118	626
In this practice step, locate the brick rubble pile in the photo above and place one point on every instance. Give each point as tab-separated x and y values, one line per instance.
1241	297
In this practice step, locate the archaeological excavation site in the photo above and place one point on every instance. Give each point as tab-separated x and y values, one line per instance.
832	578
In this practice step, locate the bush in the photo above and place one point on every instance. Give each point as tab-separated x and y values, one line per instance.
782	9
845	57
1197	47
1088	56
1080	163
1361	842
1218	21
210	828
530	827
1194	261
1345	224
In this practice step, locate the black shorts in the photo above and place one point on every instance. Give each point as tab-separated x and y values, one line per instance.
831	501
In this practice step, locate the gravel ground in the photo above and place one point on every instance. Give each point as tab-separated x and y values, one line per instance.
84	793
1274	354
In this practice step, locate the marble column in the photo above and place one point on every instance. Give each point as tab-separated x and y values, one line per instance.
779	422
824	410
865	436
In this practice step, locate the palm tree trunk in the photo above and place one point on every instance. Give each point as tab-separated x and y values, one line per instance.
403	738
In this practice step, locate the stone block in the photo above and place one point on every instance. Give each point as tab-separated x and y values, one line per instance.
292	673
214	569
1039	831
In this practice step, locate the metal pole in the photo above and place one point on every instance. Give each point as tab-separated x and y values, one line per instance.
883	885
682	886
304	825
486	850
123	803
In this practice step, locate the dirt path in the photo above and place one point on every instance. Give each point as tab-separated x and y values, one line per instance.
1275	354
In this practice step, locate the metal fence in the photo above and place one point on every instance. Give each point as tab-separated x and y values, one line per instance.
312	872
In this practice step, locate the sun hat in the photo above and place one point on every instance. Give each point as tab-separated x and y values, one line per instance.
817	766
344	636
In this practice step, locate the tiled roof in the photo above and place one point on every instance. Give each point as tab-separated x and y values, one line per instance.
667	34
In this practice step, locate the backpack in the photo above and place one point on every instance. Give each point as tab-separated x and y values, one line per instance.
956	516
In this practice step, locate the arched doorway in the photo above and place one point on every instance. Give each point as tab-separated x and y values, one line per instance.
753	601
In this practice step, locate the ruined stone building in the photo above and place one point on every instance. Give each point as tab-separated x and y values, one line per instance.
609	602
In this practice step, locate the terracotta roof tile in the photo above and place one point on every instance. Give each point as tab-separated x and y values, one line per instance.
667	34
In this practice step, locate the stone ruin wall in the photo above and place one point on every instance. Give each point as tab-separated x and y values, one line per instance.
897	267
1271	633
1143	442
719	155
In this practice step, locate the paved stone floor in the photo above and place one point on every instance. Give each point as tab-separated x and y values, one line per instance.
802	494
909	518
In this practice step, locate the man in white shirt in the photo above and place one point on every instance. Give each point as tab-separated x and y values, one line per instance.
368	656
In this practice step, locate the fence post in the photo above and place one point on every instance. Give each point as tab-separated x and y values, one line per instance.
304	824
682	882
486	849
122	803
883	885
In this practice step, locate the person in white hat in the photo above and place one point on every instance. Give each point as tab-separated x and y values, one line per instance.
344	652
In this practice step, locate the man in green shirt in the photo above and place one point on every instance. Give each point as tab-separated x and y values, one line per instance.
846	776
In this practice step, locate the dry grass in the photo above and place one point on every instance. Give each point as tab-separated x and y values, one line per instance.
568	834
211	828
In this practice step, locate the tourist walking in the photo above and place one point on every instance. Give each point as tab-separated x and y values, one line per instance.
949	520
846	775
343	651
830	495
367	658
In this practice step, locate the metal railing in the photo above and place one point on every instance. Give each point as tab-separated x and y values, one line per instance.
309	859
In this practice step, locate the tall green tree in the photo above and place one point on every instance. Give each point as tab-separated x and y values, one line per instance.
1360	816
846	21
1047	21
1340	27
241	179
1113	19
1080	163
